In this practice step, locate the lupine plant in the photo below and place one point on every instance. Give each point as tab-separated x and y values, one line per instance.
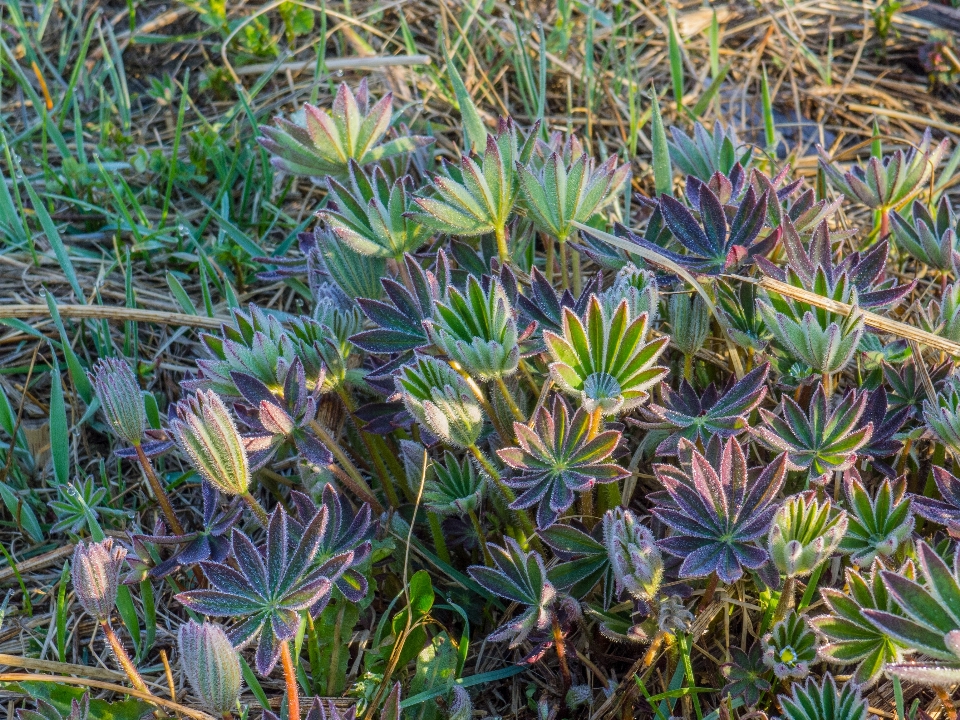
434	430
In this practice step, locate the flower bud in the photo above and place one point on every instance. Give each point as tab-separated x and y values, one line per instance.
211	665
96	575
634	556
120	397
440	399
461	708
804	533
206	432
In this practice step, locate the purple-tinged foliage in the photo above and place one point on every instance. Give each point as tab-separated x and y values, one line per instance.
906	385
812	266
347	532
270	585
718	516
932	237
544	306
522	578
929	617
945	511
708	153
886	424
400	317
818	440
745	675
558	458
211	543
714	245
281	418
79	710
697	418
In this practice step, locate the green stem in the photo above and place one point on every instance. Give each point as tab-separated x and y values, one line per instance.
481	537
484	403
123	659
688	367
575	271
438	541
550	257
375	451
158	491
357	484
526	525
608	497
502	250
257	509
564	276
827	382
508	398
786	599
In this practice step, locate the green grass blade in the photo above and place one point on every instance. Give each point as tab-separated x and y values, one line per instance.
56	242
676	58
662	168
59	430
474	131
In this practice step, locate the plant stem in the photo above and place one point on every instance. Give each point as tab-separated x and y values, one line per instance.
508	398
575	271
290	676
256	508
525	523
484	403
123	659
564	276
550	252
358	485
481	537
560	646
405	274
688	368
159	492
439	543
709	591
786	599
827	382
502	250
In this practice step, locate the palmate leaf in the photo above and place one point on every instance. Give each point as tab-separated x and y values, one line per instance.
888	181
606	361
851	637
707	153
877	525
544	306
401	315
270	586
906	386
929	617
558	458
945	511
713	245
584	560
819	440
931	237
697	418
351	130
824	701
886	425
717	515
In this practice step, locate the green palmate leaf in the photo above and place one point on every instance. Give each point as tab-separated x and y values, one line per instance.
606	361
325	144
852	637
824	701
878	525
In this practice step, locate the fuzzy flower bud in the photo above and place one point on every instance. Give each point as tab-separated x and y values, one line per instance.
206	432
461	708
211	665
119	395
804	533
441	401
96	576
634	556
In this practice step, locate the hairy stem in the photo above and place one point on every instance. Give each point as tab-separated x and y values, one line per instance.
439	543
123	659
481	537
502	250
508	398
357	484
484	403
159	492
256	508
526	525
709	591
688	367
564	274
786	599
290	677
561	647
